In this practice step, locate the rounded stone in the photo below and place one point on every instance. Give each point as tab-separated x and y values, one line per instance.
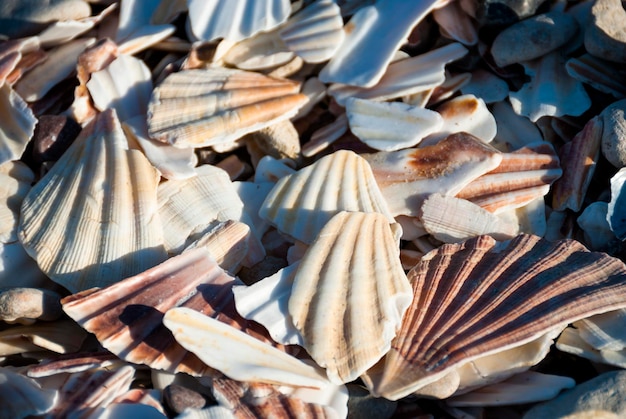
179	398
53	135
25	305
614	133
533	38
606	36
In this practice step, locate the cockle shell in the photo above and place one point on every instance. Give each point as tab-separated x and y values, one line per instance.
21	396
18	124
349	294
92	220
527	275
301	204
197	108
15	182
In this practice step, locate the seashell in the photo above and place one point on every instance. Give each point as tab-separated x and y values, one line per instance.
17	127
197	108
390	126
325	136
72	363
21	396
61	337
523	176
59	65
145	37
514	131
571	342
25	305
363	56
531	218
468	114
17	269
403	77
126	317
188	206
11	52
129	410
604	332
134	15
315	90
487	86
342	273
222	19
252	195
568	97
15	181
28	61
270	170
314	33
63	31
615	209
580	158
264	51
236	354
527	387
600	74
280	140
455	24
407	177
102	228
593	221
301	204
530	274
453	220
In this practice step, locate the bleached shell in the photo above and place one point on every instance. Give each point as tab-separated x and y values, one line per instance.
63	31
571	342
197	108
187	206
349	294
21	396
604	331
468	114
615	210
74	362
214	19
596	228
236	354
134	15
514	131
18	124
364	55
455	24
579	157
127	316
487	86
600	74
316	32
92	220
60	336
390	126
17	269
406	177
497	297
252	195
404	77
301	204
452	220
264	51
325	136
15	182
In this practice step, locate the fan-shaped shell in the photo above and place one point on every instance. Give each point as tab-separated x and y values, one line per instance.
349	294
18	124
300	204
481	297
197	108
92	220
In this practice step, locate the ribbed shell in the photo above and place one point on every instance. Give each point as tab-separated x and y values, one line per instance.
18	124
482	297
349	294
21	396
603	75
127	317
300	204
92	220
197	108
15	181
468	114
316	32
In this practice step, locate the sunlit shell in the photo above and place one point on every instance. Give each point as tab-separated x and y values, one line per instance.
280	140
74	362
364	55
301	204
390	126
63	31
264	51
314	33
523	176
21	396
214	19
349	294
197	108
498	296
570	341
236	354
615	210
11	53
604	331
325	136
137	29
468	114
18	124
17	269
61	337
486	86
455	24
407	177
127	316
92	220
514	131
15	182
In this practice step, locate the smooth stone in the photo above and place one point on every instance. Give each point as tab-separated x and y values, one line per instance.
20	18
614	133
53	135
361	404
607	392
505	12
25	305
606	36
532	38
179	398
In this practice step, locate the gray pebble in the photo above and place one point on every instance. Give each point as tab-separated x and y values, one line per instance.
614	133
606	37
179	398
25	305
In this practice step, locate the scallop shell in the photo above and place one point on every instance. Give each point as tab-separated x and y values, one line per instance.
348	297
498	297
214	19
18	125
455	24
407	177
92	220
571	342
468	114
21	396
127	317
15	181
301	204
604	331
390	126
72	363
197	108
314	33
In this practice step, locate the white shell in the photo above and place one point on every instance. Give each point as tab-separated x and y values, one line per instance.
21	396
18	124
390	126
466	113
17	269
486	86
301	204
593	221
615	211
604	331
92	220
455	24
514	131
236	354
235	21
571	342
15	182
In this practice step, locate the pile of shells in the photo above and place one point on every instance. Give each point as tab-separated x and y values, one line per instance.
312	208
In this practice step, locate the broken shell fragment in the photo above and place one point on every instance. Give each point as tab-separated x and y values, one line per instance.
22	397
468	114
197	108
18	124
15	182
529	274
615	210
